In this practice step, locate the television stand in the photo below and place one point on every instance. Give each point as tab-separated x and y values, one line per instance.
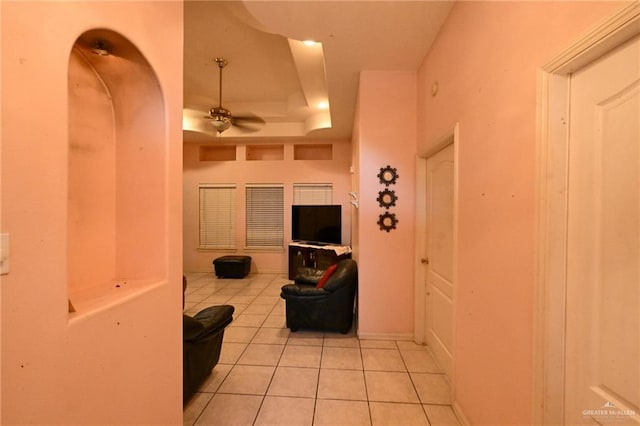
316	256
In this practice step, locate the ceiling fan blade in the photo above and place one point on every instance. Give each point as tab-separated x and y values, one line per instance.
248	119
245	128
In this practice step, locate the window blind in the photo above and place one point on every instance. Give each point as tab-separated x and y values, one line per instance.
312	193
264	216
217	216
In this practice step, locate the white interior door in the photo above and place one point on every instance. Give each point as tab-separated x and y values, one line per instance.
439	260
602	358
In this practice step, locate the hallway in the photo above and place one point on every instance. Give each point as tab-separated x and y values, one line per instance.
268	375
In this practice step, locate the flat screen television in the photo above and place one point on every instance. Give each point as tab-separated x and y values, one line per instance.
316	224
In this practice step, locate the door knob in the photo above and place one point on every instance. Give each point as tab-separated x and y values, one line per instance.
424	260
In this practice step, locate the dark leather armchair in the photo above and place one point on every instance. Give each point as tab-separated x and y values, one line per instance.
329	308
202	341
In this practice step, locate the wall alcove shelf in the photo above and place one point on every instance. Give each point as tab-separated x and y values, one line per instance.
218	153
116	211
265	152
313	152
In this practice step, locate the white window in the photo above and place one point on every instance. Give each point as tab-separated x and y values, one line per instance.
312	193
265	216
217	216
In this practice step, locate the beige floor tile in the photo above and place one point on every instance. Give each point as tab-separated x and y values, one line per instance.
393	414
227	292
341	342
249	291
194	308
259	284
215	379
230	352
230	410
275	321
284	411
216	300
432	388
342	384
382	360
247	379
239	309
306	338
281	314
341	358
239	334
190	290
267	300
294	382
419	362
341	413
378	344
189	307
257	309
272	336
261	354
202	291
281	303
441	415
248	320
386	386
194	407
195	298
301	356
238	284
241	299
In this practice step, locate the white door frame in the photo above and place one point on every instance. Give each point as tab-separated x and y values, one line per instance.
551	215
421	233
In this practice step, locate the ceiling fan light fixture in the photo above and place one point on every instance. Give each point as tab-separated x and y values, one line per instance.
220	124
220	119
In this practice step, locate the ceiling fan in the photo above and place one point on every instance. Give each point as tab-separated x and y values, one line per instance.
221	118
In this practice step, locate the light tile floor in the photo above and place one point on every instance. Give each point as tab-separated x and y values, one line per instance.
269	376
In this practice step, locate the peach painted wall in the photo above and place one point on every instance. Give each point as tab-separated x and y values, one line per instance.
1	138
116	360
386	135
241	172
485	61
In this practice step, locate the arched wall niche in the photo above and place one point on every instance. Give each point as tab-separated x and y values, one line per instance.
117	227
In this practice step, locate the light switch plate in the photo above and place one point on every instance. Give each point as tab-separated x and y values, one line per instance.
4	254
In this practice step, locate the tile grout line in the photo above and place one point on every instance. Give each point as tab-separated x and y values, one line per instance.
364	378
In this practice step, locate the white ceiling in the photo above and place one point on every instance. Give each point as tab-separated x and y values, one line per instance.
270	74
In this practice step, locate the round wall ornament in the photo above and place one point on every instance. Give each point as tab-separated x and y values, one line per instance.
387	221
387	198
388	175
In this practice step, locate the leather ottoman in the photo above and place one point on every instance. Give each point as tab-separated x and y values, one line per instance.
232	266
